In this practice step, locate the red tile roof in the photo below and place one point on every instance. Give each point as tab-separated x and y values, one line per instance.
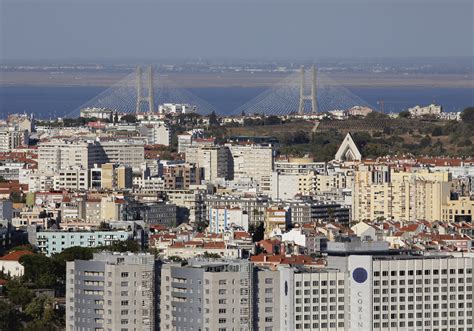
15	255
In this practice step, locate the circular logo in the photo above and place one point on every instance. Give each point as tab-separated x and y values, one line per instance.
359	275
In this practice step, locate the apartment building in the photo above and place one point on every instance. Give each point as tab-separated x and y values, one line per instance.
57	154
180	176
221	218
299	166
251	161
111	176
50	242
12	137
381	192
255	207
275	218
190	201
207	295
71	179
458	210
125	152
215	161
156	134
113	291
160	212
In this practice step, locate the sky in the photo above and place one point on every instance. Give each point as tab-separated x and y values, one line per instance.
146	29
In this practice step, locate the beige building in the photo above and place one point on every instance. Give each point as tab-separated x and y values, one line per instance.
251	161
215	160
110	208
71	179
380	192
275	218
460	210
56	154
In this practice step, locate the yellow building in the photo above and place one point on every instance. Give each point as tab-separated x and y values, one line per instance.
116	177
460	210
381	192
275	218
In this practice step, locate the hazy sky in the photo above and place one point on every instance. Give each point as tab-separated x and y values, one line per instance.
231	28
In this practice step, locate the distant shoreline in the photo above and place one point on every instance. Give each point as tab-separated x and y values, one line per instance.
231	79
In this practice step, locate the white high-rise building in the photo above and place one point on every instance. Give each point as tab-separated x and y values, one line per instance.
56	154
12	137
251	161
156	134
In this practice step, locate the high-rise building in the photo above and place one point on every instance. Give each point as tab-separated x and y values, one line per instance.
12	137
215	160
111	176
381	192
251	161
57	154
156	134
113	291
207	295
179	176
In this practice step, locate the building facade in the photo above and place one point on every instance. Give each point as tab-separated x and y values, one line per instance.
113	291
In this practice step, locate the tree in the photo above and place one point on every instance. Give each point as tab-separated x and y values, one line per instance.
208	255
425	142
36	307
213	121
404	114
272	120
18	294
40	270
467	115
437	131
104	226
259	233
129	118
128	245
17	197
9	317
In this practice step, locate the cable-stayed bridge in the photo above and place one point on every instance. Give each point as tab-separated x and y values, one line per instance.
295	94
289	96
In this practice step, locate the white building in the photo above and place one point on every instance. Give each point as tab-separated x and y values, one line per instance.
96	112
419	111
251	161
221	218
10	265
56	154
176	108
156	134
11	138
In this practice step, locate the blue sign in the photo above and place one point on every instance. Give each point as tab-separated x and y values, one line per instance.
359	275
